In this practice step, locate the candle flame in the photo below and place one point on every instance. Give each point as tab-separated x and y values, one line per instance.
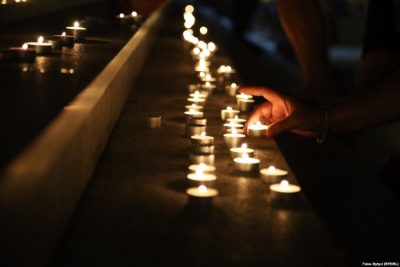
234	131
121	15
202	166
244	146
134	14
222	68
211	46
258	123
203	30
196	50
25	46
208	84
202	189
228	68
271	169
202	74
40	39
194	105
208	77
236	117
189	8
63	34
203	134
233	85
284	184
229	108
245	155
76	24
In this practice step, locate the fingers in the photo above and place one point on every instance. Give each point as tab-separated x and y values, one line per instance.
267	93
282	126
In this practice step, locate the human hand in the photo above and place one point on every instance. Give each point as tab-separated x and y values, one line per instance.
282	113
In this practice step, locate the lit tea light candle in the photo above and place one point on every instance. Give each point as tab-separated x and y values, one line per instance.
236	119
202	139
201	194
211	47
78	32
256	130
196	100
66	40
208	86
228	113
194	129
284	191
225	71
124	20
272	175
194	107
40	46
231	90
23	53
246	164
232	124
208	78
197	94
198	158
242	96
137	19
203	30
203	167
199	177
194	114
234	139
246	105
237	152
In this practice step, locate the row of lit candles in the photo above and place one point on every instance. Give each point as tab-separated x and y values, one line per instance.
234	137
29	50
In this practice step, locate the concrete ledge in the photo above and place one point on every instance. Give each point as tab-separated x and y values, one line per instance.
40	189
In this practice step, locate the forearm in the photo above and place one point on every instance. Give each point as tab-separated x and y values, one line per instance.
380	105
305	27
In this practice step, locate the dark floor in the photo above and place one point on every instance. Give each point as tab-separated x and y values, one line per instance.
135	211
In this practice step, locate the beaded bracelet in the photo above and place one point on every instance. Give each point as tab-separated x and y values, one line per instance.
327	126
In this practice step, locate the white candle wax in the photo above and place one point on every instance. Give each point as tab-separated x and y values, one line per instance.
194	113
197	94
228	113
194	107
204	167
202	139
237	152
236	119
246	164
272	174
196	100
242	96
256	130
231	125
284	191
202	192
208	78
200	176
40	46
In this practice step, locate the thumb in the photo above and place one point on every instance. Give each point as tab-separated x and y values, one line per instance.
279	127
